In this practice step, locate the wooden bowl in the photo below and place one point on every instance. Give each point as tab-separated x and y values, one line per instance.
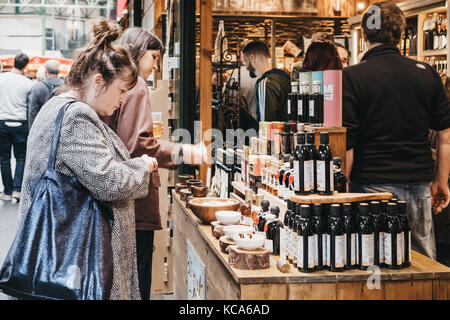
179	187
205	208
199	191
193	182
184	178
184	194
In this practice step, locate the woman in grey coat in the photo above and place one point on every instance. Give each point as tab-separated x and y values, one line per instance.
89	150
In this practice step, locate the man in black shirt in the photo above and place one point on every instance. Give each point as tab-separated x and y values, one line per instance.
389	104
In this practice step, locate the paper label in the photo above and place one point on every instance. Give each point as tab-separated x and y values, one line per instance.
299	250
310	244
289	106
328	90
400	248
316	249
353	241
388	248
309	175
381	237
321	174
311	250
268	244
294	247
340	251
367	244
311	108
409	245
297	175
300	107
325	249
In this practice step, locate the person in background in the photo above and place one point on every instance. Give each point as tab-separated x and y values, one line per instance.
88	150
15	90
322	56
272	86
343	54
134	125
44	90
390	103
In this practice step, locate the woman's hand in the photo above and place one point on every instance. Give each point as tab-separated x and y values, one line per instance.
151	162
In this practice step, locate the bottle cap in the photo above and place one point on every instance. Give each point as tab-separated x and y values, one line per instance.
317	210
301	138
392	209
275	210
401	207
363	209
324	138
393	200
335	210
305	211
383	205
337	161
298	207
374	207
347	209
286	158
265	204
310	137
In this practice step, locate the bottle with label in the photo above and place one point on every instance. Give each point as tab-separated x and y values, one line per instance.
310	163
393	200
272	231
316	100
340	180
436	31
350	236
378	234
292	103
306	250
336	239
265	204
427	30
288	180
406	230
324	166
288	216
393	239
295	236
319	231
365	238
282	186
285	146
300	156
303	103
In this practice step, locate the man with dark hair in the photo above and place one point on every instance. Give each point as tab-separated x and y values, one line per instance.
15	89
272	86
44	90
389	104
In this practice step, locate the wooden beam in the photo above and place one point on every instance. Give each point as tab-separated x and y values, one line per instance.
205	75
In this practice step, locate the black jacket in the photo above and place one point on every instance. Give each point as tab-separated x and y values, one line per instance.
389	104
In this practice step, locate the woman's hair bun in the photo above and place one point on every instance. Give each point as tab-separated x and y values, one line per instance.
105	32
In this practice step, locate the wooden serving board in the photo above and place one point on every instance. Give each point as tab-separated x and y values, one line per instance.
341	197
248	259
224	242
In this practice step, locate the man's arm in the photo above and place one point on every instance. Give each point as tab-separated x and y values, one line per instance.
439	186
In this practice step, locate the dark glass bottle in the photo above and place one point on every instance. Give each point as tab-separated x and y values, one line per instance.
324	166
393	244
292	103
319	227
393	200
285	147
305	260
272	230
406	229
310	163
295	237
336	239
304	98
265	204
300	155
288	215
365	238
350	236
340	180
383	216
316	105
378	239
326	221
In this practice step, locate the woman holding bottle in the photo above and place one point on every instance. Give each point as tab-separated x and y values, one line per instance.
134	125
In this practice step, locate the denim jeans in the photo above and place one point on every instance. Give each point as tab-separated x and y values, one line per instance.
418	198
12	137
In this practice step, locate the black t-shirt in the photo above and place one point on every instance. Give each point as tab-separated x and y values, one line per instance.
389	104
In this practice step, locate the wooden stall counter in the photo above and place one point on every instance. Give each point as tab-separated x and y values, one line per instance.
202	271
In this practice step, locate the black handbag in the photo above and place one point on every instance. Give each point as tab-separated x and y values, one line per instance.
62	249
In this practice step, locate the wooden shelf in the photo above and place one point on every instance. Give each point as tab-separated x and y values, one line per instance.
430	53
340	197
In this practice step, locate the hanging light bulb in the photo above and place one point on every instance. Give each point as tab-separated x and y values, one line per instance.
360	6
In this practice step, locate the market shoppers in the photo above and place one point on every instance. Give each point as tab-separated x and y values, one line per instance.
321	56
15	90
272	86
44	90
134	125
389	104
91	152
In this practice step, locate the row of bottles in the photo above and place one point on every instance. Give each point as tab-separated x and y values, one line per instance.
435	32
409	42
347	236
305	106
440	65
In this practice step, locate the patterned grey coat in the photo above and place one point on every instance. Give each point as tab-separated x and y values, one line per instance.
89	150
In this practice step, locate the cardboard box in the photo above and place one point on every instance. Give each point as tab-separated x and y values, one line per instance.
291	48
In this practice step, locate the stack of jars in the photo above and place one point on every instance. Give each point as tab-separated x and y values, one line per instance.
344	236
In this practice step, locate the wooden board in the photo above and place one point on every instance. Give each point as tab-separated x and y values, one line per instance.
341	197
224	243
248	259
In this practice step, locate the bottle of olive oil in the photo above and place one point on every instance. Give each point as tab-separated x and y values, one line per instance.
365	238
305	260
324	166
336	239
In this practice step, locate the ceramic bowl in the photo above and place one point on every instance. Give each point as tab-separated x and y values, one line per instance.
184	178
199	191
247	241
228	217
205	208
231	231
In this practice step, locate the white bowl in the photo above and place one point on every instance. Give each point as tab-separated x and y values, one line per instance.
249	241
231	230
228	217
